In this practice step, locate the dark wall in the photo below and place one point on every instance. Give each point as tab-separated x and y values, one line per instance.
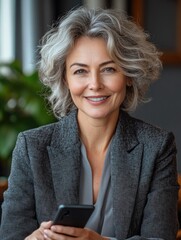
61	7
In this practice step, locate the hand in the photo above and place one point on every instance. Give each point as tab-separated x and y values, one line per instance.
39	233
58	232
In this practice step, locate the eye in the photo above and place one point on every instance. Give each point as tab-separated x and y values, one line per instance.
109	70
80	71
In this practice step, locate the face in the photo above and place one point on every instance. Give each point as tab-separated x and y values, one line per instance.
96	83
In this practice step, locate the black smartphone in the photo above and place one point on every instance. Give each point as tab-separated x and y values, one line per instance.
73	215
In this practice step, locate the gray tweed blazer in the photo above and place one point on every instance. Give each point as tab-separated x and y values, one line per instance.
46	169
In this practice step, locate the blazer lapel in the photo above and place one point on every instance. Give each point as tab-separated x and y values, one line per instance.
64	154
126	155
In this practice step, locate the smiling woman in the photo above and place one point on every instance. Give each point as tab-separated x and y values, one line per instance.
137	57
96	83
98	65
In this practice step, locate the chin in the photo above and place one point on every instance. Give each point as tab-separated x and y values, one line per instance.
98	115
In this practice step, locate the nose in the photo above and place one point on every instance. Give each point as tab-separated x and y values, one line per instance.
95	82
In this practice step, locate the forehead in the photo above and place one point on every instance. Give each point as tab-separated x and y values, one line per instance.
87	48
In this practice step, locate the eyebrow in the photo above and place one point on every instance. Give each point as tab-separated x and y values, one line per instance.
85	65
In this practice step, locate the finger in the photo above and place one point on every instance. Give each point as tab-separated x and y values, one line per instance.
46	237
36	235
50	235
46	224
65	230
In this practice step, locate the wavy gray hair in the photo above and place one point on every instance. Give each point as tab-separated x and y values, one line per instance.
127	45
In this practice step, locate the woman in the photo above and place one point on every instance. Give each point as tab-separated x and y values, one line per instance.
98	65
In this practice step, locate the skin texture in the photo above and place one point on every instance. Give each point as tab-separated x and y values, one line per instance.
90	74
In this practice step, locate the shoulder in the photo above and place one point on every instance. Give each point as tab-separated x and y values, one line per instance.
42	133
149	134
143	128
149	130
50	134
34	140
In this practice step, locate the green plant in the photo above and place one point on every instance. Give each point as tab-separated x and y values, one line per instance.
22	106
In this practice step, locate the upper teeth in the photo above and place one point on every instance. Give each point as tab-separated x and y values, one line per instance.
97	99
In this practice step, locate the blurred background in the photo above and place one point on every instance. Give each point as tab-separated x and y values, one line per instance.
24	22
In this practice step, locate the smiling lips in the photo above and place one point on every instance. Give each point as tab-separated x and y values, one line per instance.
97	99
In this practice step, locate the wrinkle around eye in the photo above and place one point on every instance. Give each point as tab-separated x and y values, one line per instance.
109	70
80	72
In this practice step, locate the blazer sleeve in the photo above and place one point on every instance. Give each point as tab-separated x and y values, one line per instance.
160	220
160	214
18	207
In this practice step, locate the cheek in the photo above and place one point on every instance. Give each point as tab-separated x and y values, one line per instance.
118	86
74	85
75	88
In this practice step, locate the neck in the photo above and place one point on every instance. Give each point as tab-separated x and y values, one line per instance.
97	133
